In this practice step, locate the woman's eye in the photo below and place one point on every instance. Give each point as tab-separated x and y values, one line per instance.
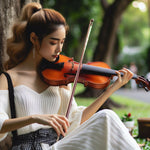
62	42
52	43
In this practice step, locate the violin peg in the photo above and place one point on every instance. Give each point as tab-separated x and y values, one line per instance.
146	89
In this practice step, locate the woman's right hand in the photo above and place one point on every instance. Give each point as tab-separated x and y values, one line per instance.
59	122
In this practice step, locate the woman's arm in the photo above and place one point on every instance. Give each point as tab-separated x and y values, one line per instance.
58	122
16	123
90	110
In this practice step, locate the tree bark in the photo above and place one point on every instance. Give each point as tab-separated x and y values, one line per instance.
107	33
9	11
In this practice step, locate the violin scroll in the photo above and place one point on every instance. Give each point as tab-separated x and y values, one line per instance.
143	83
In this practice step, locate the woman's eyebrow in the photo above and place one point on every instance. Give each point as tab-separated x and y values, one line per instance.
56	39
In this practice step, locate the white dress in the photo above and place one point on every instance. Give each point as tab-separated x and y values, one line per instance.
103	131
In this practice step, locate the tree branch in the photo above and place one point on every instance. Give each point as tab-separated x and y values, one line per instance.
119	6
104	4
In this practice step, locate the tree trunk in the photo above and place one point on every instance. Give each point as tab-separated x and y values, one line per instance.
9	11
1	46
107	33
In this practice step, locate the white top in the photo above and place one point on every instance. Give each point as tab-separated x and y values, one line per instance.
53	100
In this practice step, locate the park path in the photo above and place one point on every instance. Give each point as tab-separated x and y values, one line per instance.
139	94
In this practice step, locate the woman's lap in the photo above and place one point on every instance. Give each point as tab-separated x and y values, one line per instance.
33	140
103	131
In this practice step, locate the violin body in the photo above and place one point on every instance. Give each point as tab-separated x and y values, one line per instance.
93	74
65	70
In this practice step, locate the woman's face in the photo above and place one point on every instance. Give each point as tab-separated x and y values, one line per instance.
51	45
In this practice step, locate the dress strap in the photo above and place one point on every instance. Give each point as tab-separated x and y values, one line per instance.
11	99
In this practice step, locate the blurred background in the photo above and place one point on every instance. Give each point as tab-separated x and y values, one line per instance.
120	34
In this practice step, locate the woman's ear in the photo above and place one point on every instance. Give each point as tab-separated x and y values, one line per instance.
34	39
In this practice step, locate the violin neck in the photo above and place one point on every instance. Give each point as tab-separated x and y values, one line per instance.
88	69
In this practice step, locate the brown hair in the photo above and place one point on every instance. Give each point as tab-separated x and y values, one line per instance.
33	19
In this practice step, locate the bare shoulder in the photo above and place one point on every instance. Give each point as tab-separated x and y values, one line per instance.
3	82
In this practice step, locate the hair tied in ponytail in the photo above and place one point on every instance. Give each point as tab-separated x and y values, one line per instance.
36	10
39	9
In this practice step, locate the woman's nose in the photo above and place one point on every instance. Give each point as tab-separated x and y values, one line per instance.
59	48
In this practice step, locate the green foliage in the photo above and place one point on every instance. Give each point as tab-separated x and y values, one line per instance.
126	117
133	30
134	27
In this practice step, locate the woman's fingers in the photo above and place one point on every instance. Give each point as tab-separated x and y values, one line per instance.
127	74
59	122
55	127
64	121
62	124
125	77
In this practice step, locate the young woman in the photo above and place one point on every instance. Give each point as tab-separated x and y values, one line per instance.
40	108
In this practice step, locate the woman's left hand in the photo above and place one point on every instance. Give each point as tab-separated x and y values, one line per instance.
122	80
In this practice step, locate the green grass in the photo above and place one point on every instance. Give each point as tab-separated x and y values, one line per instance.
136	108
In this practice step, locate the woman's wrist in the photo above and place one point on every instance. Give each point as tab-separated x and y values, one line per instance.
33	118
112	88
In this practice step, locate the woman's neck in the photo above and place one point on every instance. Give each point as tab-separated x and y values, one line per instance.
30	63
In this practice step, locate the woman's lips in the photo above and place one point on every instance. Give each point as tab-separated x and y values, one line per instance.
55	56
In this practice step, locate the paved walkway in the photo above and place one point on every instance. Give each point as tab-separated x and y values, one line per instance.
139	94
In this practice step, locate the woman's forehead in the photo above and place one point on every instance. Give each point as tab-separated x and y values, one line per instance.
59	33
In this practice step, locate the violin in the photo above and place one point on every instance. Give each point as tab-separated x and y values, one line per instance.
93	74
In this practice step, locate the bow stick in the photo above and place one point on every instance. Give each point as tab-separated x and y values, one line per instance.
79	67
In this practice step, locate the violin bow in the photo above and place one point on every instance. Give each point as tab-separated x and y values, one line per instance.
79	67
